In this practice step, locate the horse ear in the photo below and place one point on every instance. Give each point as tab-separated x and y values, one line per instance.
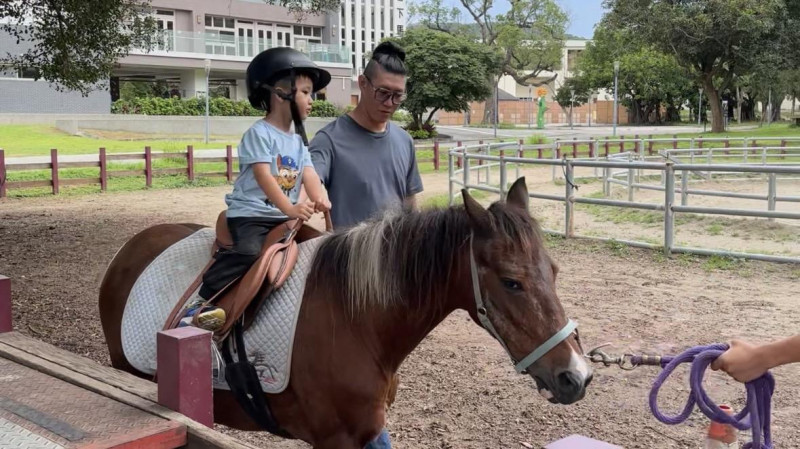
477	214
518	194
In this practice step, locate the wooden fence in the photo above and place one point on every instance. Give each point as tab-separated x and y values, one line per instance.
55	182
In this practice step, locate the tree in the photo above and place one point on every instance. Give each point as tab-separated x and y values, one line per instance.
444	72
572	93
712	39
530	36
75	44
648	79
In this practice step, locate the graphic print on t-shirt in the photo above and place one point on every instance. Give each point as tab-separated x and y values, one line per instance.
287	173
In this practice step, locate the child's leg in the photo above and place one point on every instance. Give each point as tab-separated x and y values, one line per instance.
248	237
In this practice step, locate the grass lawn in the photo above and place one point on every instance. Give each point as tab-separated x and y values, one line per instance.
37	140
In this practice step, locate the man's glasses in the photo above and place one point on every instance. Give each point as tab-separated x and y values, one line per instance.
383	94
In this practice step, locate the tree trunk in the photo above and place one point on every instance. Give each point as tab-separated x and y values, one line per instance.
738	105
717	123
488	110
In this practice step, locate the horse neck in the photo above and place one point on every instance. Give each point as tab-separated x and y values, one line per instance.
400	329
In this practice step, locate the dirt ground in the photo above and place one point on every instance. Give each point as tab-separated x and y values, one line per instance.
458	389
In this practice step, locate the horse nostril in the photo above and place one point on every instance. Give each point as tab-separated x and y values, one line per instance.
568	381
588	380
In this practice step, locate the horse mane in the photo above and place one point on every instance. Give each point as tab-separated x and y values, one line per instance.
407	257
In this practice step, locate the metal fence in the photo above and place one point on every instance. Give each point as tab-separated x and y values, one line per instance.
478	161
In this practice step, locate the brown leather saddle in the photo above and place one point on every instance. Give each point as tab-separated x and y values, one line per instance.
244	296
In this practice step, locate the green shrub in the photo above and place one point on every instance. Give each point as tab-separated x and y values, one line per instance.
219	106
322	108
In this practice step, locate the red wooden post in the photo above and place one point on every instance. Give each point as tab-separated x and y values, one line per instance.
54	169
591	148
436	155
605	144
700	143
229	162
148	167
5	305
727	145
480	161
783	145
754	144
650	144
621	144
2	174
574	147
558	151
520	152
674	141
538	153
184	373
190	162
636	148
103	170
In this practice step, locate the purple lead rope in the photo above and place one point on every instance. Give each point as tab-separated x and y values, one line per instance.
755	415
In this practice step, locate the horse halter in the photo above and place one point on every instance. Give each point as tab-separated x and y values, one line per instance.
480	307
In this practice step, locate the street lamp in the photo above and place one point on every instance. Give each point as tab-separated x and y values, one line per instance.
616	75
208	92
530	106
699	106
571	106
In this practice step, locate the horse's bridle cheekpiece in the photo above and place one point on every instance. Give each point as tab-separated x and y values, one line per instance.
480	307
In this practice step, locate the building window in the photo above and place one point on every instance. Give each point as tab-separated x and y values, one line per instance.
399	30
220	36
220	22
572	58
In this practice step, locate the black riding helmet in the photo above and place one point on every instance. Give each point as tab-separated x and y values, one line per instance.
274	64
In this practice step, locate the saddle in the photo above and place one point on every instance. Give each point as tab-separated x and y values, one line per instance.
243	297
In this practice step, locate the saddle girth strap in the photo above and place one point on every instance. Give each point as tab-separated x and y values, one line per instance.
246	387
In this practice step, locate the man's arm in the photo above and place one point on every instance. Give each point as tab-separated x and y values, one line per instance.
410	202
745	361
313	187
321	151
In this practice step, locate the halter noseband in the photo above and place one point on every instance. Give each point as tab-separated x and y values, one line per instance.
480	306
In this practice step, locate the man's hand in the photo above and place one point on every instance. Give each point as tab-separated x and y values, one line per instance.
743	361
302	210
322	205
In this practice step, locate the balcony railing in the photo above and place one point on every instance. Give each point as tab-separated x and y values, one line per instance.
211	43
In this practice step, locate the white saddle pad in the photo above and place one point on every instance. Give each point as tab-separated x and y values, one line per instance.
268	341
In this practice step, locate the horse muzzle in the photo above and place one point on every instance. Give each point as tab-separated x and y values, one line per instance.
565	387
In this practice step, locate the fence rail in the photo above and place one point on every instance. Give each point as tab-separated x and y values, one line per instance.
669	170
104	174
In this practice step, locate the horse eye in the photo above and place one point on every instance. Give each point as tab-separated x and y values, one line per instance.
511	284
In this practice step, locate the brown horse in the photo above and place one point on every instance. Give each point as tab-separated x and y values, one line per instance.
374	292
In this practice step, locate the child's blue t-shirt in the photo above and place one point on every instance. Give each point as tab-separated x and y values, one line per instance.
287	156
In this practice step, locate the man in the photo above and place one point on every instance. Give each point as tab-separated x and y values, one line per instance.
366	163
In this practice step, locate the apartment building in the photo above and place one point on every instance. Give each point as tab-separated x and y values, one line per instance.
214	40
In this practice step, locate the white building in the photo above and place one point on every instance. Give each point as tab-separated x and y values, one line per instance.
362	24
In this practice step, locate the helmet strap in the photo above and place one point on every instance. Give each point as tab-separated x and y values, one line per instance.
299	129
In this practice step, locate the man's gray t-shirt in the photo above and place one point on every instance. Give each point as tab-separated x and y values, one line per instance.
364	172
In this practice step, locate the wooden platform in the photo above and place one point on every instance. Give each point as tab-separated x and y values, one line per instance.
53	399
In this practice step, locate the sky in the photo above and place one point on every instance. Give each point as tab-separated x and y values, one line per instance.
583	14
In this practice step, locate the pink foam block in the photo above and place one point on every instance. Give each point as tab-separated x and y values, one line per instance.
580	442
184	373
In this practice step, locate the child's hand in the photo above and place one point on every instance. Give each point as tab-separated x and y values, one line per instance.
322	205
302	210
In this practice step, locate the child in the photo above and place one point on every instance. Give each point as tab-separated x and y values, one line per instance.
273	165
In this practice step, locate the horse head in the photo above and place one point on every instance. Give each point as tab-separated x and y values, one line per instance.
515	299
